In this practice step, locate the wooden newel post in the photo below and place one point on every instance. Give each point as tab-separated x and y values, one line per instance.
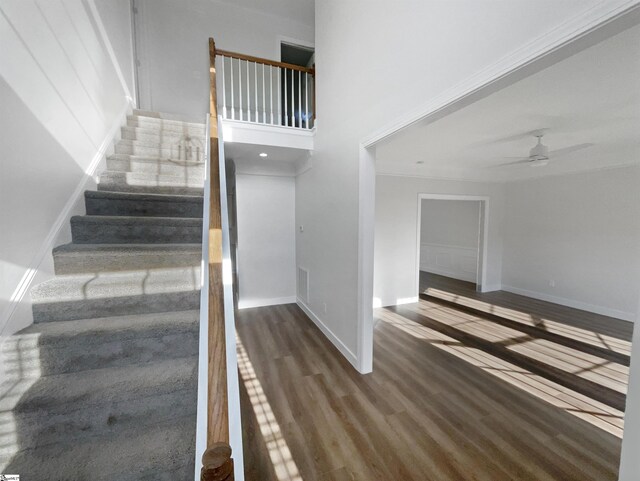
217	464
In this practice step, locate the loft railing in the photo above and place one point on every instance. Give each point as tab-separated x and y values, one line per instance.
257	90
217	462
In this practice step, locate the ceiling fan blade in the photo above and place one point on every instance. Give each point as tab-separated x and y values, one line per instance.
525	160
568	150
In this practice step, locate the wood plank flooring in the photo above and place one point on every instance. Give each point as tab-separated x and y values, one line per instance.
499	389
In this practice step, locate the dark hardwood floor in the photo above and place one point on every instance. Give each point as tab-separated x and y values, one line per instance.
465	386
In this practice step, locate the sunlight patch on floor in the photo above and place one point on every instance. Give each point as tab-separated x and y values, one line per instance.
576	404
283	463
579	334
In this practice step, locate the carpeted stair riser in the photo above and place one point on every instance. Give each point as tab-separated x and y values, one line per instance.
162	126
164	452
85	258
129	163
148	183
192	150
112	343
134	204
132	230
154	135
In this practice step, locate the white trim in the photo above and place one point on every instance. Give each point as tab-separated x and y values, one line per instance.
537	50
264	134
366	235
267	174
542	174
439	177
492	288
563	301
450	246
344	350
275	301
24	286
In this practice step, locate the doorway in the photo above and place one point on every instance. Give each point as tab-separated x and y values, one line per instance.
451	242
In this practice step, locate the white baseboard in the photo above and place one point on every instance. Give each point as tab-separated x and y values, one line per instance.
17	315
463	276
491	288
248	304
605	311
344	350
377	302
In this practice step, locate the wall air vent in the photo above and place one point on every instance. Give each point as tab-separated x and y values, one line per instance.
303	285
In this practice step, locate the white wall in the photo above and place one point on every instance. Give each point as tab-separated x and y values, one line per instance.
581	231
449	238
364	80
266	240
174	53
65	79
396	223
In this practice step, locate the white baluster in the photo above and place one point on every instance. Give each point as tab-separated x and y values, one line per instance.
248	94
255	76
233	109
240	114
271	92
286	97
300	98
264	110
279	72
224	96
293	102
306	99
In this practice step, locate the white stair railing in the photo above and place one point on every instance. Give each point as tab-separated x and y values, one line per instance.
257	90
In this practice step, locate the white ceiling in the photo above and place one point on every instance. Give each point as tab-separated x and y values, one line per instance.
279	160
591	97
302	11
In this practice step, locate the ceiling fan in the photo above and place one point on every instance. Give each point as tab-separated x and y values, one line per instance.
539	155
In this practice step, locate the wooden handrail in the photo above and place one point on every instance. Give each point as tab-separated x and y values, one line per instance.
264	61
217	464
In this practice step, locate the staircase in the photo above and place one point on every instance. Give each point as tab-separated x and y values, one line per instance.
103	384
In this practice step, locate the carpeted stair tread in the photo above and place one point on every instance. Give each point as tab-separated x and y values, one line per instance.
153	134
161	452
106	294
86	258
68	346
62	393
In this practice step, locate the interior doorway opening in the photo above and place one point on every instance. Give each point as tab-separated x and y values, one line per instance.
451	239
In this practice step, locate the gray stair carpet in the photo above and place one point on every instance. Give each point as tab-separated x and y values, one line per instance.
103	385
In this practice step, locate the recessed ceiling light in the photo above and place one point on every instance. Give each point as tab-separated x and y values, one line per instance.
263	154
